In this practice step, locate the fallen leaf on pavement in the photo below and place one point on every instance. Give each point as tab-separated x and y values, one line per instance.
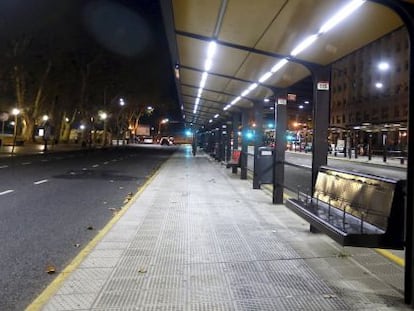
50	269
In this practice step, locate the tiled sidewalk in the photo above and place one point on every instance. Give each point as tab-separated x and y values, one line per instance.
199	238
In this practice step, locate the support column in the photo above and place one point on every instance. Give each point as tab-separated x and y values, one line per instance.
236	123
258	141
221	143
406	11
321	97
243	159
228	141
279	149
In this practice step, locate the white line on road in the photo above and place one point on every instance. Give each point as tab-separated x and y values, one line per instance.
40	182
95	165
26	163
4	166
106	162
6	192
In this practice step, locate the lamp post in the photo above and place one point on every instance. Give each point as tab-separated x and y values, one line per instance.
122	104
15	112
104	116
46	132
163	121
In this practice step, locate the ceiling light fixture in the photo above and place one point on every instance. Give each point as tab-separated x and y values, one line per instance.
337	18
303	45
340	15
211	50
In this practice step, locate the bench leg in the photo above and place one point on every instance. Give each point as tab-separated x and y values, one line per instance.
312	229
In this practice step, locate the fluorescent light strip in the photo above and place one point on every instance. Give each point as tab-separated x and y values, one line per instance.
279	65
216	116
208	64
331	23
266	76
304	44
211	49
235	100
341	15
253	86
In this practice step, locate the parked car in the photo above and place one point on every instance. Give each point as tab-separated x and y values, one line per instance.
166	141
147	140
308	147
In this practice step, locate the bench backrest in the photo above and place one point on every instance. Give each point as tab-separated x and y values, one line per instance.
368	197
235	156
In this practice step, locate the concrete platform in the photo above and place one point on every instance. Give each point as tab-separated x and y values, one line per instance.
199	238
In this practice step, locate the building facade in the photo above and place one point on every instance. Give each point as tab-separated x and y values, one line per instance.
369	95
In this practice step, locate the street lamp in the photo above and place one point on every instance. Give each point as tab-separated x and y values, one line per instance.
104	116
46	132
163	121
15	112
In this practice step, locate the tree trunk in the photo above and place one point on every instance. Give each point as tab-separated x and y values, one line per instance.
28	127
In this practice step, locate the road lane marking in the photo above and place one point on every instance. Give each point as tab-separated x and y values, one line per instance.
6	192
40	182
4	166
53	287
26	163
106	162
95	165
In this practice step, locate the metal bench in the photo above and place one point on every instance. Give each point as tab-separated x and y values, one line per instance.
355	209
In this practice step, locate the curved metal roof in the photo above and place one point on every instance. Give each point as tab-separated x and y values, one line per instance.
253	36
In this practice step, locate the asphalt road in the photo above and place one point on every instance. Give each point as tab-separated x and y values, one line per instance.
53	205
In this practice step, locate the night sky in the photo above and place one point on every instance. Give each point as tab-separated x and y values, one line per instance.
127	36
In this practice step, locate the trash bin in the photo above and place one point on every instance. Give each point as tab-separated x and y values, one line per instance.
264	167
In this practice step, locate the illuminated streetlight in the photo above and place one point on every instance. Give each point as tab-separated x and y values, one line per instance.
163	121
46	133
103	116
379	85
15	112
82	127
383	66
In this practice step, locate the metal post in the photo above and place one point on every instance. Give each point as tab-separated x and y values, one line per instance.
279	151
221	143
243	159
258	141
236	122
321	78
406	11
228	142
